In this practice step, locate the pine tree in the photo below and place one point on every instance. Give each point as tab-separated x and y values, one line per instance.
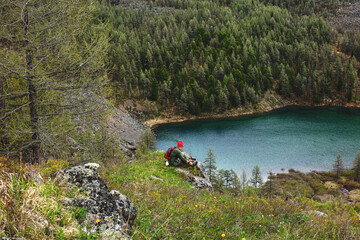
210	165
256	179
148	138
56	62
356	167
270	185
154	91
236	184
338	165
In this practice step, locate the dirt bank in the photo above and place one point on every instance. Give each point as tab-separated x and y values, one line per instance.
268	103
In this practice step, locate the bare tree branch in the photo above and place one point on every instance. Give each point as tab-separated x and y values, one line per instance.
8	113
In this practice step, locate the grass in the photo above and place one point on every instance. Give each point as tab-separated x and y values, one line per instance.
171	209
35	210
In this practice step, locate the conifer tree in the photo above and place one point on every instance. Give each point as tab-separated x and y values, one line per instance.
55	65
338	165
210	165
256	179
269	187
148	138
356	167
236	184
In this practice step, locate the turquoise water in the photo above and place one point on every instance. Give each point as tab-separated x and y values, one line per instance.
304	139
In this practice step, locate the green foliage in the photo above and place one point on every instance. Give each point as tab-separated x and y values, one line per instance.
210	165
53	165
53	60
34	210
338	165
199	56
256	179
356	166
171	209
148	138
80	214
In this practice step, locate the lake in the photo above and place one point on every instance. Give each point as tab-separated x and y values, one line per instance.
301	138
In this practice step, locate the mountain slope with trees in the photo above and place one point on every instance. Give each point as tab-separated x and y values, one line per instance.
209	56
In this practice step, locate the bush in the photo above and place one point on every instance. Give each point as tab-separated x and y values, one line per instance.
53	165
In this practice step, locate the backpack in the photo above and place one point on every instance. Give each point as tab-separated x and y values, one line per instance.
167	154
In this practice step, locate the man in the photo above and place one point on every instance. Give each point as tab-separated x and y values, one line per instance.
177	157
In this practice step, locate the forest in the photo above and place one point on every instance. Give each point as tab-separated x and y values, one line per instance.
210	56
67	67
62	72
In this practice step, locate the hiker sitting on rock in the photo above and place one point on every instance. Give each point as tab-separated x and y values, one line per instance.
175	157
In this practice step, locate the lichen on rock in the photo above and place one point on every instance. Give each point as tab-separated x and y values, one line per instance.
109	213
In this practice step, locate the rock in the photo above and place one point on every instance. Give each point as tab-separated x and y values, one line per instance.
156	178
108	212
126	129
5	238
318	213
198	181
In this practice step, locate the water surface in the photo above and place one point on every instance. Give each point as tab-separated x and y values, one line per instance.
301	138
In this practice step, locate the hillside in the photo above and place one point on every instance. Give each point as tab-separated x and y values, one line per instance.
208	56
77	77
168	207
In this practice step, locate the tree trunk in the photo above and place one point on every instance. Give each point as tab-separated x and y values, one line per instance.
4	141
34	117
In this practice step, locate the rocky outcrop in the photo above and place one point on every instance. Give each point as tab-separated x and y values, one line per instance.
201	181
109	213
125	128
347	17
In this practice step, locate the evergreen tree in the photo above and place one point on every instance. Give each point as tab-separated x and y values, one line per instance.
236	184
356	167
284	83
154	92
269	186
54	61
338	165
148	138
256	179
210	165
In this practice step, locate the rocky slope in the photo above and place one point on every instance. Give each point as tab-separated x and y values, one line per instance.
347	17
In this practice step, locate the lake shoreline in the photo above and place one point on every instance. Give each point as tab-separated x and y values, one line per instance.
267	104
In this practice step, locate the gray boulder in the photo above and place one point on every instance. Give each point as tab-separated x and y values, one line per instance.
109	213
201	181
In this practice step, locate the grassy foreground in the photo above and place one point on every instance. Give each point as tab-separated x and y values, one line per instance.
171	209
32	207
168	207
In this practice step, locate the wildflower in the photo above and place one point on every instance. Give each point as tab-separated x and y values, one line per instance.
237	202
196	205
262	215
223	235
243	239
259	225
215	197
98	220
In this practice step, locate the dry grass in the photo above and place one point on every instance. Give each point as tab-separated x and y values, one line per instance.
30	208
